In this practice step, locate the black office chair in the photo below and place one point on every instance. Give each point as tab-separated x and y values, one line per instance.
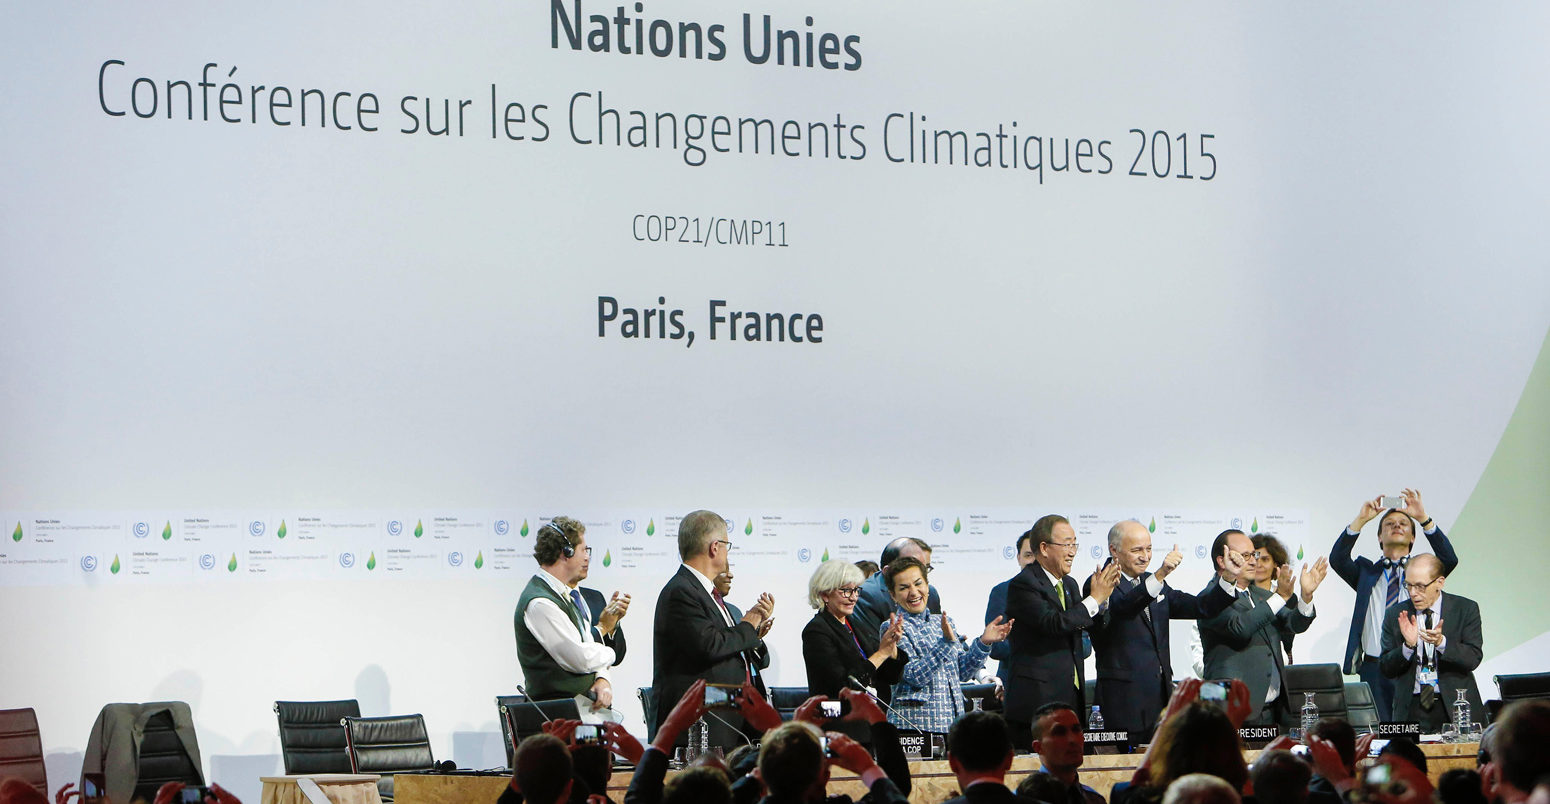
1326	683
1361	710
312	740
388	745
648	710
163	756
1518	687
21	748
787	699
520	718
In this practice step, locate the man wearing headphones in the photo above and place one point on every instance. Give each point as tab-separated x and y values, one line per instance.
555	644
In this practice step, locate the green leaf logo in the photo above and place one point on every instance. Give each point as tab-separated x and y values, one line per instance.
825	555
957	525
479	560
748	528
651	527
282	531
866	526
16	535
523	531
166	531
1151	527
231	566
608	558
371	560
1299	552
116	566
1254	527
419	528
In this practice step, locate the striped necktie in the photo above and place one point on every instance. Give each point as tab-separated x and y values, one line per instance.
1393	570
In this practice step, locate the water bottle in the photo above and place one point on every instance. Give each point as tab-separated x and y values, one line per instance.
1095	721
699	742
1310	713
1461	714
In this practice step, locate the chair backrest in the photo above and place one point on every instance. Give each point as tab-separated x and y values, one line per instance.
1326	683
1361	710
787	699
21	748
388	745
520	718
1522	686
163	757
311	738
648	709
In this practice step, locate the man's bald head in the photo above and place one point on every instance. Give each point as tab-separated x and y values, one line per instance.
1428	563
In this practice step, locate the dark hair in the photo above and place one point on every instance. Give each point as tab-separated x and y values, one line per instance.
1026	537
1219	547
1049	709
593	765
868	568
1459	786
696	530
700	783
1199	739
1337	731
1270	544
790	759
553	537
892	549
1042	787
1522	731
980	741
899	565
543	768
1280	777
1403	748
1043	530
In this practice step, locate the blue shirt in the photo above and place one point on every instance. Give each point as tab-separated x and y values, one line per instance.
928	693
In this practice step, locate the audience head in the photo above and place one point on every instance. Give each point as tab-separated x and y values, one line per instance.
1234	541
1201	788
703	540
905	579
1058	738
1337	731
1027	549
592	765
1054	542
1198	739
16	791
1520	753
698	784
1396	533
868	568
1130	544
791	761
1424	580
1460	786
1487	751
543	769
980	744
823	589
1403	748
549	547
1269	553
1280	777
1042	787
906	547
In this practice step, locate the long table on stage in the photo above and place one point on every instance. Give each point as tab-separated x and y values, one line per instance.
933	780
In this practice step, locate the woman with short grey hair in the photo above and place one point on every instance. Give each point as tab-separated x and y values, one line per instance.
834	649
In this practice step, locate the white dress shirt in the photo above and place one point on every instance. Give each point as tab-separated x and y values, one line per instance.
573	650
1428	651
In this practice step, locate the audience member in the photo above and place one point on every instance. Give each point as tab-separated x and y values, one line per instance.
1520	753
1279	777
700	784
1200	788
1042	787
1058	740
1193	737
1460	786
542	772
979	751
794	769
1408	751
16	791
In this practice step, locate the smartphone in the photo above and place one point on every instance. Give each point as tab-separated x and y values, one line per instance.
827	751
1377	747
1300	750
1215	691
1376	777
1393	502
92	786
830	708
590	734
723	696
193	794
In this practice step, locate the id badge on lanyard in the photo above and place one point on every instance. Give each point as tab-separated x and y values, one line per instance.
1427	677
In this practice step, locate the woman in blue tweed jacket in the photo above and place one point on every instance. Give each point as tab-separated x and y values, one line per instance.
928	693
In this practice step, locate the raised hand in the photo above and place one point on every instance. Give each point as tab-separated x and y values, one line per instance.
1104	579
811	711
564	730
756	710
1408	630
1239	707
1370	509
168	793
1286	583
618	606
889	644
862	706
1413	506
849	754
64	794
996	631
688	709
1236	567
620	741
947	629
767	602
1433	636
1326	760
1170	562
1312	575
222	795
604	692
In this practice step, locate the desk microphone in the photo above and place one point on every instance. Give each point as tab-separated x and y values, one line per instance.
730	727
530	700
858	686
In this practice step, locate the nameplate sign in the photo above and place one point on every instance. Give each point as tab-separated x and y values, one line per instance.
1400	728
1106	737
918	745
1258	734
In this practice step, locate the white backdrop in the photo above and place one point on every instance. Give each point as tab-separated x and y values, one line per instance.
286	321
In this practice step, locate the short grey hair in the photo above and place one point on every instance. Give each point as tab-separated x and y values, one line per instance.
1200	788
1117	533
830	576
697	530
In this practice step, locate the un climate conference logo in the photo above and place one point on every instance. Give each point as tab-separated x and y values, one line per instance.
207	562
256	528
502	527
347	560
1200	551
844	526
628	526
1097	551
89	563
936	525
455	558
804	555
1237	523
395	527
1008	552
142	530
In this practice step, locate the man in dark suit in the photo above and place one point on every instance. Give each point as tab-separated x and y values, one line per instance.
1431	647
695	636
758	658
876	602
979	751
1130	633
1049	615
995	607
1244	640
1378	583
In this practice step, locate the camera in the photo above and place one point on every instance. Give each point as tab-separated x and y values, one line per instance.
723	696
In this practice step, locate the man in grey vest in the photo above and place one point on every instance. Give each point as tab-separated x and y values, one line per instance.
560	657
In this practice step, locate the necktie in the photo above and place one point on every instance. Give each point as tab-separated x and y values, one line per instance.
1393	571
581	608
1060	593
1428	658
1146	611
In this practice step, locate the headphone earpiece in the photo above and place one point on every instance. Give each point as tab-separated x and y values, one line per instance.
569	550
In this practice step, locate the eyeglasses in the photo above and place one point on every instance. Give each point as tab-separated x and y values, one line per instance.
1063	545
848	591
729	545
1416	587
586	550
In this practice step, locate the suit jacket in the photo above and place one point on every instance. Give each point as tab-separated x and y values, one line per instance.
875	605
595	605
1361	574
995	607
1244	640
691	641
758	658
990	793
1455	664
1046	644
830	655
1135	668
883	792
